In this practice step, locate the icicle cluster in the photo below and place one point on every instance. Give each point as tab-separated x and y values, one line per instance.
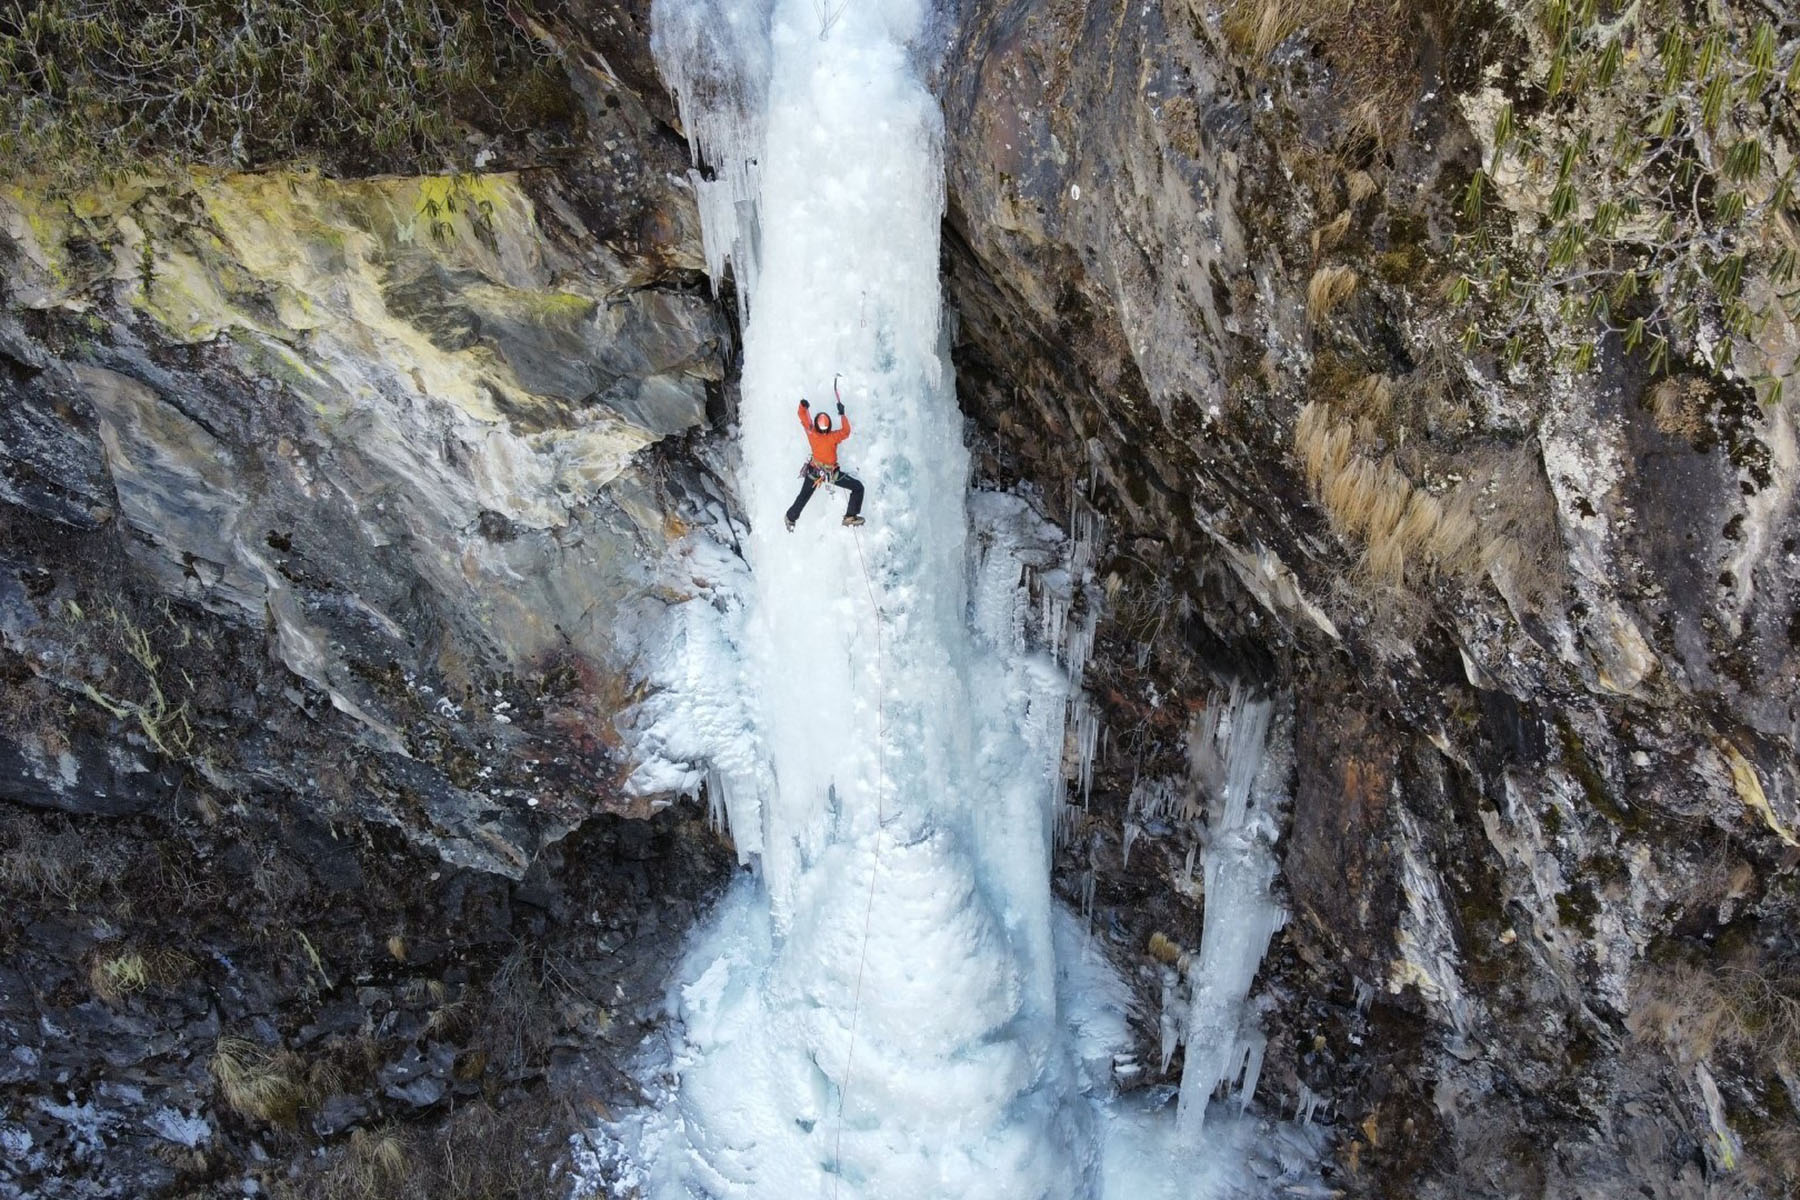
1224	1044
714	54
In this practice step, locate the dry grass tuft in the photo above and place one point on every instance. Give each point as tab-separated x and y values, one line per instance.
113	975
1323	447
1350	493
260	1084
1453	538
120	971
1405	530
1330	286
1392	493
1331	233
1361	185
1419	524
1257	27
1385	560
1371	397
52	861
454	1020
378	1156
1679	407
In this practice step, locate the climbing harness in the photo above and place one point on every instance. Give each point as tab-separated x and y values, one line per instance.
837	1149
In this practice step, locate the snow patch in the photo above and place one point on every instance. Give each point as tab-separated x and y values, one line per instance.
173	1125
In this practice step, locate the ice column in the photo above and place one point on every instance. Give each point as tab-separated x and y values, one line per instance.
1238	866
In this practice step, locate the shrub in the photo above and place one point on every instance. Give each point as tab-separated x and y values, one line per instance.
1654	205
482	1152
88	86
1696	1012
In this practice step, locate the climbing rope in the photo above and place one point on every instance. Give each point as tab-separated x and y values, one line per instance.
837	1149
829	15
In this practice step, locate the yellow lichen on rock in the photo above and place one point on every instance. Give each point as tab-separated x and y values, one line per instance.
1750	790
41	232
373	300
324	250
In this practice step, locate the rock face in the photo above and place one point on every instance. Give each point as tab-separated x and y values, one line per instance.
267	999
402	431
334	523
1535	624
336	520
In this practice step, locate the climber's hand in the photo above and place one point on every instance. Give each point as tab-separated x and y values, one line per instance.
840	408
804	404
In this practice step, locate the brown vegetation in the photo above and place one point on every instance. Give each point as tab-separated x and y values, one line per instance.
115	972
1747	1010
50	861
484	1152
1697	1012
1371	47
1329	287
1405	531
262	1084
1679	406
1331	233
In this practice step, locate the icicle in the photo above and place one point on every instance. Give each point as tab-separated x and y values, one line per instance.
1087	732
1168	1022
716	803
1256	1044
1306	1105
1061	820
1153	799
715	57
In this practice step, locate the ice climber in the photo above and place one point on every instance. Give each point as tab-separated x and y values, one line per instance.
822	467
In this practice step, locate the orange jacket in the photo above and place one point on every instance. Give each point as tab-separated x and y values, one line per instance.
824	445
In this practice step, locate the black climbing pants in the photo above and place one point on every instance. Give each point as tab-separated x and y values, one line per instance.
811	478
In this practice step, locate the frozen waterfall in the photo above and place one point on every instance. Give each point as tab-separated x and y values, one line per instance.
892	1005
